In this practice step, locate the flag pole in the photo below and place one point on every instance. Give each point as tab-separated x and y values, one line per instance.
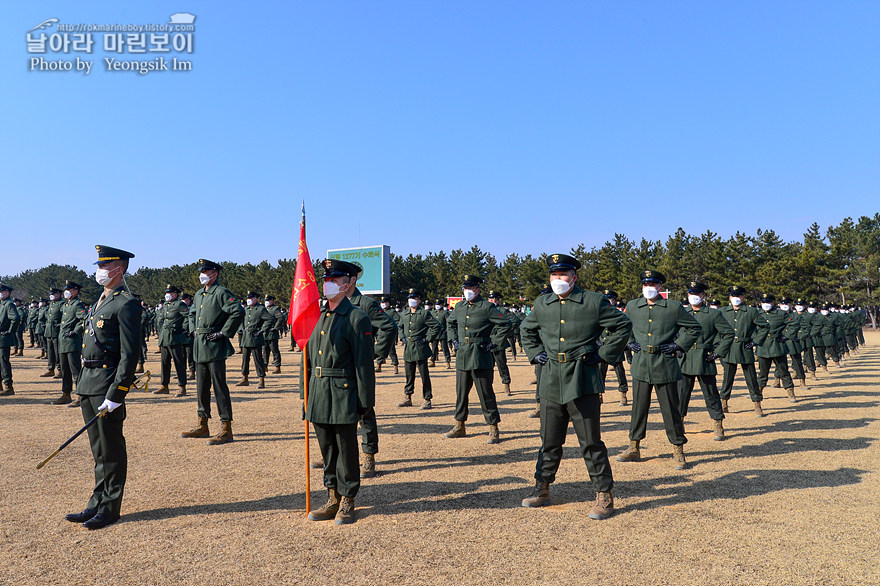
305	359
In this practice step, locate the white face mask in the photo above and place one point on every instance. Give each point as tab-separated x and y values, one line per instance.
559	286
799	308
67	294
766	306
413	302
470	295
250	301
51	297
695	299
736	301
811	310
438	307
649	292
824	312
331	289
384	305
268	304
784	307
714	306
102	276
204	279
168	297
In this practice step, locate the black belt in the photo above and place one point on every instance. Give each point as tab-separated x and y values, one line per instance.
575	354
322	372
98	364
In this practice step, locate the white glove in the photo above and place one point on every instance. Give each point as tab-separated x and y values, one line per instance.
109	405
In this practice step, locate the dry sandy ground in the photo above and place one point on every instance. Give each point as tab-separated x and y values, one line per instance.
788	499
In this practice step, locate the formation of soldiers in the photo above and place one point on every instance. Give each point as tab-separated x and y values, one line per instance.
571	336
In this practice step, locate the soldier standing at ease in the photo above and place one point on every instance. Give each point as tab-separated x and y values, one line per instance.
342	387
41	326
748	328
147	319
622	386
805	335
500	353
794	345
190	336
772	345
33	314
561	333
699	359
476	328
9	320
171	326
392	345
109	357
70	342
440	343
418	329
274	334
53	322
257	324
661	330
22	325
217	315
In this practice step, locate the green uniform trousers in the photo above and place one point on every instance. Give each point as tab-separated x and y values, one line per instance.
271	347
52	353
667	397
748	373
709	386
369	432
259	364
5	365
341	459
619	371
500	356
781	371
438	345
111	457
409	368
808	359
482	379
584	414
210	374
71	364
177	355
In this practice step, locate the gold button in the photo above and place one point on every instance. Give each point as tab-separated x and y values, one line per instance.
320	351
563	302
562	321
322	332
200	318
467	317
465	327
202	305
649	334
344	384
562	339
650	321
328	314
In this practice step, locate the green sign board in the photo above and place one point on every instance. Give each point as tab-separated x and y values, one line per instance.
375	262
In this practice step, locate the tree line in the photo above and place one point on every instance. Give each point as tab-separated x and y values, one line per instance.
840	264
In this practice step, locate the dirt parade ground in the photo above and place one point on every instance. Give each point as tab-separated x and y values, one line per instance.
793	498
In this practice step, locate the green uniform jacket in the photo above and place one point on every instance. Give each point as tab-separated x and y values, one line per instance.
171	322
839	326
53	318
383	327
42	313
513	325
717	337
342	379
826	329
653	326
748	326
417	329
73	317
567	330
473	325
818	325
23	318
770	346
274	332
257	323
440	315
33	317
395	317
9	320
146	319
792	331
113	337
805	333
215	309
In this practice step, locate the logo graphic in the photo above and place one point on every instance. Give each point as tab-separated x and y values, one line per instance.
45	24
182	18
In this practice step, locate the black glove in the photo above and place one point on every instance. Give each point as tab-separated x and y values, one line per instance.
598	343
360	410
782	339
213	336
749	344
6	333
634	347
540	358
488	346
671	348
422	340
592	359
68	334
712	357
455	344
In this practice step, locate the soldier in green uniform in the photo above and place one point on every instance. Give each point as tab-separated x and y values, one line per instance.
418	329
384	331
500	353
33	315
699	359
9	320
257	324
392	345
217	315
476	328
516	322
42	312
801	306
440	343
771	349
561	333
53	322
109	357
661	330
839	332
70	341
171	333
748	328
793	344
342	387
22	324
622	386
190	336
274	334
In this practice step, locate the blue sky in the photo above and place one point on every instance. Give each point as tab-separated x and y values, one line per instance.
521	127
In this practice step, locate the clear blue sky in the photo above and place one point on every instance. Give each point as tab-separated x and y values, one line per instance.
516	126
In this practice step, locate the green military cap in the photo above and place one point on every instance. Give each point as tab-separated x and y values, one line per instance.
72	285
414	293
784	300
251	294
714	301
208	265
270	298
5	287
768	298
562	262
108	254
685	301
385	298
44	300
736	291
186	296
826	305
54	290
172	289
651	276
801	301
696	287
471	281
438	302
620	305
136	296
494	294
610	294
339	268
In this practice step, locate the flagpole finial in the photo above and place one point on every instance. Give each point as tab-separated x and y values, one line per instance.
304	208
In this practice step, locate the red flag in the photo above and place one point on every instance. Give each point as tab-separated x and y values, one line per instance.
305	306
